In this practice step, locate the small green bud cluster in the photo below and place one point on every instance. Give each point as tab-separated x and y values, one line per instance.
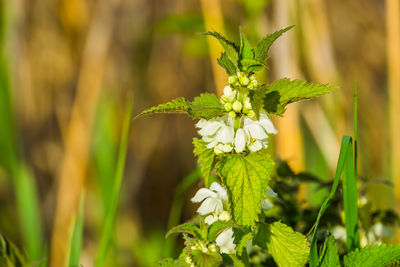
243	80
205	247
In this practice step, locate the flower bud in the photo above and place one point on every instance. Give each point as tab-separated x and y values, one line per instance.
228	106
229	94
237	106
232	79
247	104
252	78
225	216
251	113
232	114
244	80
217	150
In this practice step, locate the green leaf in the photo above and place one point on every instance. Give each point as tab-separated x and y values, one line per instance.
229	66
246	178
187	228
257	99
10	255
287	247
206	106
216	228
245	48
201	259
206	158
242	243
231	49
169	262
329	256
261	51
343	158
284	91
373	256
249	64
179	105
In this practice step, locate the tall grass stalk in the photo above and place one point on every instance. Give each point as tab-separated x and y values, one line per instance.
77	235
111	213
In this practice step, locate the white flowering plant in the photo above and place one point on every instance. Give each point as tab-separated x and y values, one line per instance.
234	131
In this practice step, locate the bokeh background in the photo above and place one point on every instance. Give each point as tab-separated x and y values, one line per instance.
68	68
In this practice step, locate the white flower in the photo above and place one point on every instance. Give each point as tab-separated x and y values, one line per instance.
225	242
240	140
237	106
210	219
229	94
225	216
267	203
214	199
218	133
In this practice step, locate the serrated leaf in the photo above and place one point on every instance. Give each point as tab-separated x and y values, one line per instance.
373	256
242	243
229	66
257	99
245	49
179	105
329	256
287	247
249	64
201	259
169	262
187	228
261	51
246	178
205	158
285	91
206	106
231	49
216	228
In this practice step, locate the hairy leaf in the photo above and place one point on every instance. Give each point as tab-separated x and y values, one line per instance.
206	106
229	66
201	259
249	64
246	178
373	256
257	99
329	256
206	158
179	105
242	243
216	228
231	49
287	247
285	91
169	262
187	228
261	51
245	49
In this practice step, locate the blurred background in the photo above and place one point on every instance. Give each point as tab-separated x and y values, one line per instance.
68	69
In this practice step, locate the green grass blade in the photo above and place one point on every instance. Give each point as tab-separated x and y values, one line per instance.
111	213
344	148
77	235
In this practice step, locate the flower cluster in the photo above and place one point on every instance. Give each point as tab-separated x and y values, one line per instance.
215	200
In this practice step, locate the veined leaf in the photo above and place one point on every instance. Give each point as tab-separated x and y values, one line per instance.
187	228
229	66
206	158
242	243
287	247
246	178
206	106
257	99
231	49
285	91
201	259
249	64
373	256
329	256
261	51
245	49
179	105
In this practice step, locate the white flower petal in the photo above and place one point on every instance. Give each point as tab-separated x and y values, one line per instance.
267	124
240	140
212	144
229	93
225	135
220	190
210	205
271	193
256	131
201	123
210	219
266	204
255	146
225	242
202	194
210	128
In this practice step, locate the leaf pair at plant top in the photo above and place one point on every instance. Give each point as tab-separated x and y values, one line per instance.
274	97
242	58
371	256
205	106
